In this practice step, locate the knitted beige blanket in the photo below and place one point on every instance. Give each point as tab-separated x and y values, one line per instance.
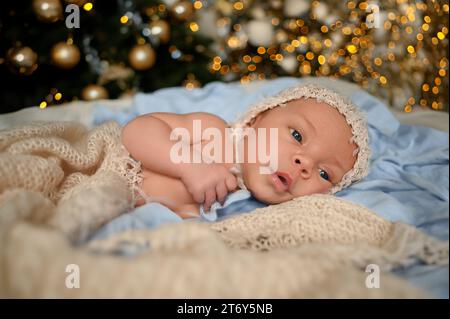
59	182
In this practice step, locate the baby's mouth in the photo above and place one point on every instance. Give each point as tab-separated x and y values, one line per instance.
282	181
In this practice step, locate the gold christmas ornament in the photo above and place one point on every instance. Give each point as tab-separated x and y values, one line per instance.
22	60
77	2
48	10
161	30
65	56
142	57
182	10
94	92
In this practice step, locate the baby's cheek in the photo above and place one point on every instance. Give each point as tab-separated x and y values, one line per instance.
309	187
322	190
258	186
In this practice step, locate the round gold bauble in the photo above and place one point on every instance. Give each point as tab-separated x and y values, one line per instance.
48	10
65	56
77	2
182	10
142	57
22	60
160	29
94	92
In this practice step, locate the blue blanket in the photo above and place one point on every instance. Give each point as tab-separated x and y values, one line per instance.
408	180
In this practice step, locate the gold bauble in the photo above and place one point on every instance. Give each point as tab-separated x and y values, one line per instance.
77	2
94	92
160	29
142	57
48	10
22	60
64	55
182	10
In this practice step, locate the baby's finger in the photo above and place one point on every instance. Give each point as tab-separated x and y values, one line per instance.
199	197
210	198
222	191
231	182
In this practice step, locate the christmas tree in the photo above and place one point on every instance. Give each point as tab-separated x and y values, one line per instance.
119	47
396	49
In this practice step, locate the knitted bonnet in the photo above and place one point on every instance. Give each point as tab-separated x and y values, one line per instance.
353	116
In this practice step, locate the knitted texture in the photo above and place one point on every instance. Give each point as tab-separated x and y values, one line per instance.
64	160
353	116
312	247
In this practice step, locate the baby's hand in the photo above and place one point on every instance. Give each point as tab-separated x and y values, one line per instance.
208	182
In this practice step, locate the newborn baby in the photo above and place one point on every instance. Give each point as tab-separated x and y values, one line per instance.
321	147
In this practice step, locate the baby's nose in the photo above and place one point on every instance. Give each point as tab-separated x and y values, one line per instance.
303	166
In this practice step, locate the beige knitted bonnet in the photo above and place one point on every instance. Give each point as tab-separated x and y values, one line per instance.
354	117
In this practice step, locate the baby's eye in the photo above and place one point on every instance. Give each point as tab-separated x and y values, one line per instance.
296	134
324	174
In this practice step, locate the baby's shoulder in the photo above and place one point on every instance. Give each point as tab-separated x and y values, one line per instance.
208	119
205	119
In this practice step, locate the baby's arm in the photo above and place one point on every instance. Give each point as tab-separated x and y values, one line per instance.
147	139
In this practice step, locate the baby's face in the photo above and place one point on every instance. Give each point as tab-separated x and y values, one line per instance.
314	151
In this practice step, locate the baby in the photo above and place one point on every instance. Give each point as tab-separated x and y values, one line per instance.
321	147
